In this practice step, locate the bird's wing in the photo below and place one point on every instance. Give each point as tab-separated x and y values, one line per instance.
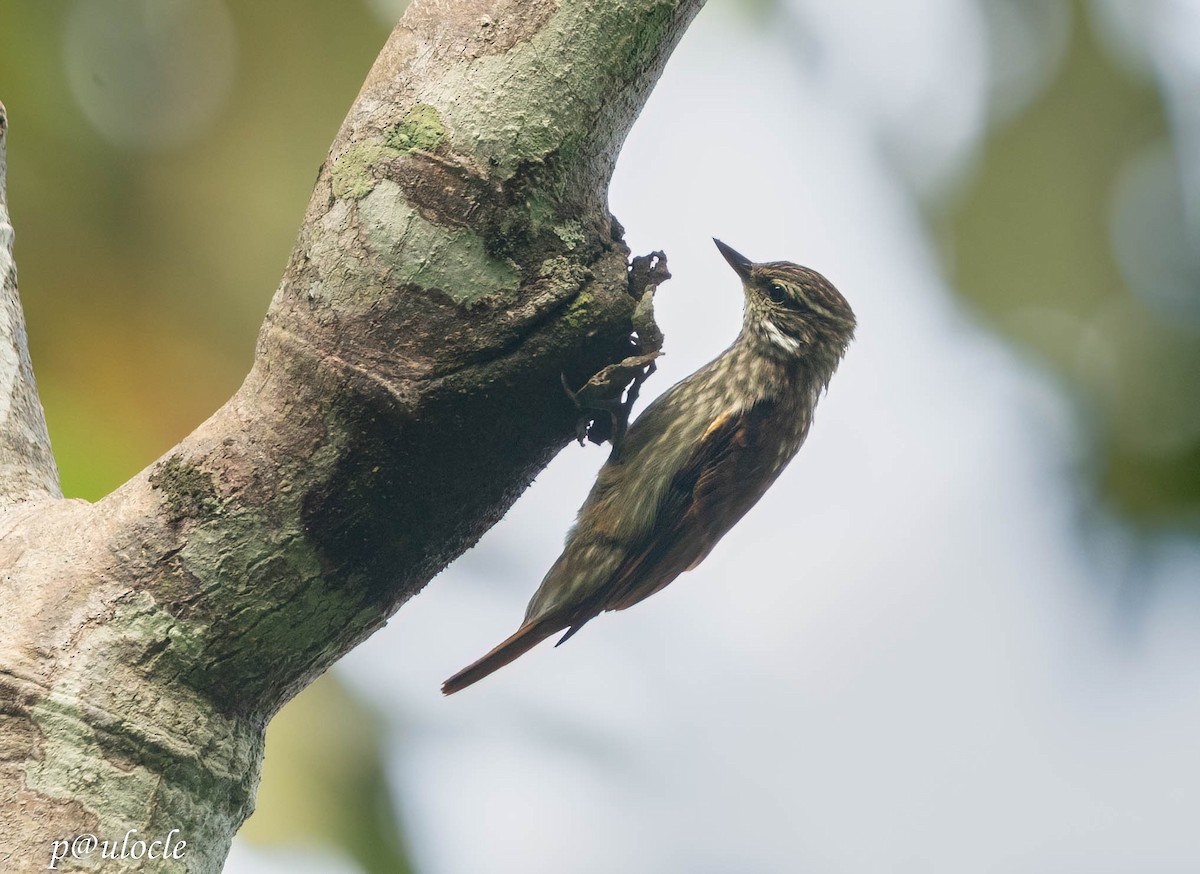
723	478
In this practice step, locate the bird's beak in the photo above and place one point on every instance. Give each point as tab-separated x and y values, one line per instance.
740	263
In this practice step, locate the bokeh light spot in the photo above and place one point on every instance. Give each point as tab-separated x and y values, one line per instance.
150	74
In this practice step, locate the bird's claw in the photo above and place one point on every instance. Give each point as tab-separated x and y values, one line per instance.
606	400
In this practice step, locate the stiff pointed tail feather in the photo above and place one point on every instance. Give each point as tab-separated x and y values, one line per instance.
525	639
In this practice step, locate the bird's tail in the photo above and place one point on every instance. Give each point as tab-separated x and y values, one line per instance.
526	638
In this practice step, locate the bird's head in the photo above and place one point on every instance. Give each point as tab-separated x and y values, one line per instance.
791	311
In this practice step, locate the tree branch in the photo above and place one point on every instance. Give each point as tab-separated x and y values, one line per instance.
27	469
457	257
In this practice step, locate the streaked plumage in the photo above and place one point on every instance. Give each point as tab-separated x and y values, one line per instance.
695	461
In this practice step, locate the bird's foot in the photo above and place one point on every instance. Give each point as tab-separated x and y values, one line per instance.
606	400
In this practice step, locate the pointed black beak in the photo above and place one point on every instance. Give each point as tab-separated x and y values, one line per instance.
740	263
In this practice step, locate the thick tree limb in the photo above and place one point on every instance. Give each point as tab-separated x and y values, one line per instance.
457	256
27	469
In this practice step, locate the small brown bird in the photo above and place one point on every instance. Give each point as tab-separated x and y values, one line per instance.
695	461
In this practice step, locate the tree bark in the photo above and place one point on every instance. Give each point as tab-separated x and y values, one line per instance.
457	256
27	469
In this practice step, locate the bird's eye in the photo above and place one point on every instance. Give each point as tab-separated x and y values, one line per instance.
777	293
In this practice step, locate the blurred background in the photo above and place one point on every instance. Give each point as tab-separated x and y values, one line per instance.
962	633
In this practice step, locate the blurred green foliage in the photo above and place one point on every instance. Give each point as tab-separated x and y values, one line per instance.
325	781
1087	172
145	273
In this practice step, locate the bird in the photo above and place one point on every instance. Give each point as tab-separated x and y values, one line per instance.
696	459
